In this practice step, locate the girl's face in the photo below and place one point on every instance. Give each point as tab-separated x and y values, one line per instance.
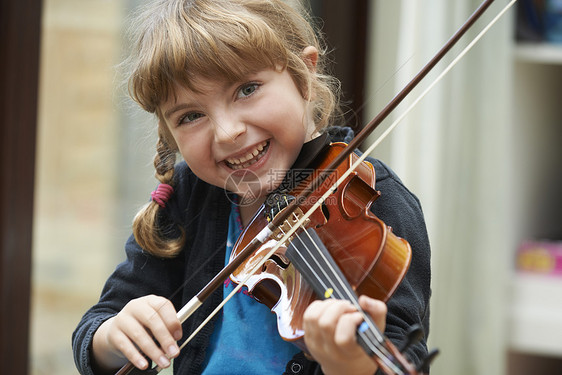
241	136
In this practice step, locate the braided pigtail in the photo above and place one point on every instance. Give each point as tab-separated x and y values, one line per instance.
147	228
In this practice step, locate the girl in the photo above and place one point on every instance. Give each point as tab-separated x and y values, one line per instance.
238	88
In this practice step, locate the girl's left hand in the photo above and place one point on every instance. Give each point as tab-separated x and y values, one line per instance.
330	327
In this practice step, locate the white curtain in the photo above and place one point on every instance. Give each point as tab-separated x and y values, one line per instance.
453	152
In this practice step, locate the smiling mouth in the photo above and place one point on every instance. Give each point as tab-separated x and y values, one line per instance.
250	158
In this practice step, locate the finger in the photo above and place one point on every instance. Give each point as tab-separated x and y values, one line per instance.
322	314
333	310
165	326
345	331
376	309
320	321
142	338
313	310
122	342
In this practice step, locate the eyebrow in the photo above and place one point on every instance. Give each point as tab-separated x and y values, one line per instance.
226	86
174	109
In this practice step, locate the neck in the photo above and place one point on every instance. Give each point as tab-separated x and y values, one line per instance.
248	211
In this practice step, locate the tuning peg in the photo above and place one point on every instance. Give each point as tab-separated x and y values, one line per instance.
427	360
414	334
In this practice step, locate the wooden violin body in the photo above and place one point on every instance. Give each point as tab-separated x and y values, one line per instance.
372	258
375	260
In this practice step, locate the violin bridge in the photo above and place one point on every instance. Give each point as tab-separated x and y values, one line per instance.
275	203
288	224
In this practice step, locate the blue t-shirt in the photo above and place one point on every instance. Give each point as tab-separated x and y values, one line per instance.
245	339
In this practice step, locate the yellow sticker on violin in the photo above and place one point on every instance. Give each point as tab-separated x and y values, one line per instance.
328	293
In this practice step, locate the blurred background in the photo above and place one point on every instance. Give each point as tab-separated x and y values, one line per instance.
482	151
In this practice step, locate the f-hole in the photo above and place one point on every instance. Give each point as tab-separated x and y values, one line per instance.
325	211
280	261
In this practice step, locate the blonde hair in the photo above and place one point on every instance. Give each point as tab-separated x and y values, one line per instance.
177	41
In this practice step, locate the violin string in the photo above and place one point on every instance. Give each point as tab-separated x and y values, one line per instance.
340	288
345	291
361	267
322	279
374	340
340	292
360	159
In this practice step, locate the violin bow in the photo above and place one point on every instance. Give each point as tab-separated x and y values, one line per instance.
190	307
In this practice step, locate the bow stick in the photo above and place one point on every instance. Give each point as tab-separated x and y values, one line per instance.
218	280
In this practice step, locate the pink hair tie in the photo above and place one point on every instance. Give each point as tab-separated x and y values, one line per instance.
162	194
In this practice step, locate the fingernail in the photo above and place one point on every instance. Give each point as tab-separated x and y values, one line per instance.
163	362
367	301
173	350
141	363
178	335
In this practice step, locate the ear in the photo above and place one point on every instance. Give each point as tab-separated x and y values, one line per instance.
310	57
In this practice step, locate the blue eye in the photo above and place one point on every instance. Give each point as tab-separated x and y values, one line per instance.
190	117
247	90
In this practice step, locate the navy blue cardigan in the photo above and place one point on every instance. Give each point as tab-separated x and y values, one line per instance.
202	210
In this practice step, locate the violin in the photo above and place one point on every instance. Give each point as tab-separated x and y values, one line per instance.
372	258
364	256
356	194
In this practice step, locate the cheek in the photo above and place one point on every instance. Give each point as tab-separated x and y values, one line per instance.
194	151
286	116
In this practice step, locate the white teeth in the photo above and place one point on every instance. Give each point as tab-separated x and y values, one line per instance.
237	163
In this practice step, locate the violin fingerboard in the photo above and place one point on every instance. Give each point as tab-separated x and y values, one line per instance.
315	263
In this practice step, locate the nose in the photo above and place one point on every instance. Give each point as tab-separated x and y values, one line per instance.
228	129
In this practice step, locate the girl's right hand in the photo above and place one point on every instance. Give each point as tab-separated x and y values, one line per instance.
146	325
